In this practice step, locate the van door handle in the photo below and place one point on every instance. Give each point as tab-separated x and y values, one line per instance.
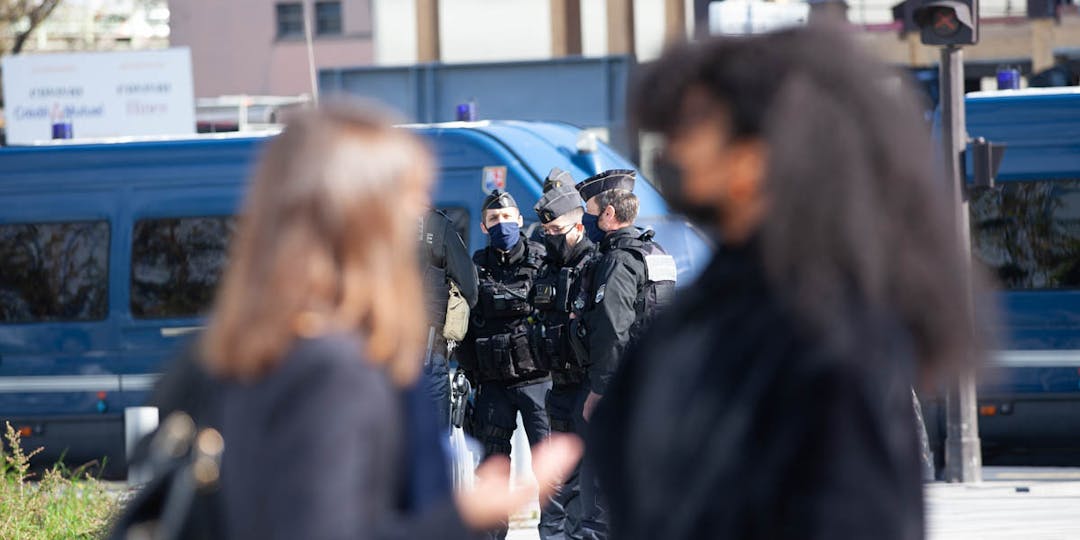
177	331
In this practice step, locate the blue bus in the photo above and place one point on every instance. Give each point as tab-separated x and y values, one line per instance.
1026	233
110	253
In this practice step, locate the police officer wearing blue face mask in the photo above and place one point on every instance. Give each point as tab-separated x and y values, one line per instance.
631	279
498	352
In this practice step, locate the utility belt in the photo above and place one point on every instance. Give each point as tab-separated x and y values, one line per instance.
508	356
553	344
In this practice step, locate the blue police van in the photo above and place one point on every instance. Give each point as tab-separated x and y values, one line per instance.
110	253
1026	233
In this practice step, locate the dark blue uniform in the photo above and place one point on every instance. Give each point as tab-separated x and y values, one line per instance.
498	353
560	299
632	279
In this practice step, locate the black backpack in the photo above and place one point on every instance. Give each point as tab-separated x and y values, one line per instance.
658	288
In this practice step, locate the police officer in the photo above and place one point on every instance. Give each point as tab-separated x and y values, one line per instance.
559	295
445	260
498	352
632	278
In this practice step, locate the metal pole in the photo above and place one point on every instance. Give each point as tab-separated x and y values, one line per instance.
313	78
963	456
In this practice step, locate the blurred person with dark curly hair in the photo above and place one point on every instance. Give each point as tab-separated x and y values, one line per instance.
773	400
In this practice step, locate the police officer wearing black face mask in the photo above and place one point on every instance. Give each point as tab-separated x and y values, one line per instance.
560	298
498	352
631	280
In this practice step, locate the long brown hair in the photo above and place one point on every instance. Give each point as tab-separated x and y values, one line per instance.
326	242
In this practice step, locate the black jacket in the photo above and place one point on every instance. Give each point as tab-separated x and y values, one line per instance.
618	277
314	450
443	256
728	421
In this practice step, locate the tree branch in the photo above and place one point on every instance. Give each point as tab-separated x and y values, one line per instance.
35	16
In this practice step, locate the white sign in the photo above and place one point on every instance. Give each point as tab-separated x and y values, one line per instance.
111	94
739	17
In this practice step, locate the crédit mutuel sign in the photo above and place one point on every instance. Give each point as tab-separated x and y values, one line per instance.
94	95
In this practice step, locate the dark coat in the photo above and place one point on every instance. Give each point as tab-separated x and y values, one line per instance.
617	279
443	257
728	421
314	450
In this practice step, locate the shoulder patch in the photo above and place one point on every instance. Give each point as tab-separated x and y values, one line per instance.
599	294
660	267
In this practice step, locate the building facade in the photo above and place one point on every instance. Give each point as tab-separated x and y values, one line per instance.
259	46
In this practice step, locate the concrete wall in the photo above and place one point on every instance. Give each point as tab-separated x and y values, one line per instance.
235	49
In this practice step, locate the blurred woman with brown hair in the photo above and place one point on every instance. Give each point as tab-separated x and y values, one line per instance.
317	323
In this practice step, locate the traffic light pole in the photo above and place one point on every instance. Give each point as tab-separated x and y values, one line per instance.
963	456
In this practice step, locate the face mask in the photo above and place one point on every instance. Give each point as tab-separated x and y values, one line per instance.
558	248
592	227
504	235
669	176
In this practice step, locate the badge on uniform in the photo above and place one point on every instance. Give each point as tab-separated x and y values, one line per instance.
600	294
493	178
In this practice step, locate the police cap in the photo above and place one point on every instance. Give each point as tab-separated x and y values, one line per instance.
498	199
557	201
557	177
607	180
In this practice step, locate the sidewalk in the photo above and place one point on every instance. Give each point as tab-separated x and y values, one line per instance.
1012	504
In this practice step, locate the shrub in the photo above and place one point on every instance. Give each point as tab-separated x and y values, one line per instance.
58	504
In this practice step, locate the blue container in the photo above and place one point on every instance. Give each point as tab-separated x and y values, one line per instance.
1008	79
62	130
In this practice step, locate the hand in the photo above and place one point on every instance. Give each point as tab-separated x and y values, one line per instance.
492	500
590	405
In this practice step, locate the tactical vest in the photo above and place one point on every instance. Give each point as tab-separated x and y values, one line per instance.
501	320
658	288
558	293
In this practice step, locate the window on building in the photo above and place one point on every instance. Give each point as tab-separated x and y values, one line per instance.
1028	233
52	272
290	20
176	264
328	18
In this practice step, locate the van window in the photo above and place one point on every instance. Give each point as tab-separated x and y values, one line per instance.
1028	233
54	271
176	264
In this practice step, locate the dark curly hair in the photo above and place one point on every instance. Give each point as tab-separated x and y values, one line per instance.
858	211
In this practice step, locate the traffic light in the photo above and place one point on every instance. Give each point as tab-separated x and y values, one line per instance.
948	22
